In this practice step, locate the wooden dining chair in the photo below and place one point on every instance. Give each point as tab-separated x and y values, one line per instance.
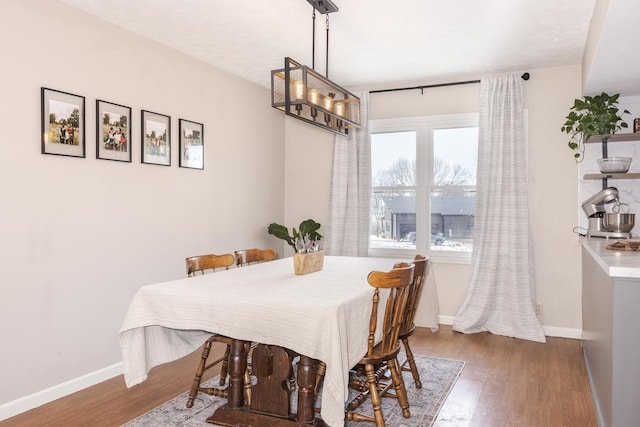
398	283
408	326
200	265
254	255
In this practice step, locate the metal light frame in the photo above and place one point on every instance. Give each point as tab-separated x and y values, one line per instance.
305	94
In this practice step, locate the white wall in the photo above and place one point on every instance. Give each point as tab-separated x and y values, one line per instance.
553	198
79	236
600	10
308	160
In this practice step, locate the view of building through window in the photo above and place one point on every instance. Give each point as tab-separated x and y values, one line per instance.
424	179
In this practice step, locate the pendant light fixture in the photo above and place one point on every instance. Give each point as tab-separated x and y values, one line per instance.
305	94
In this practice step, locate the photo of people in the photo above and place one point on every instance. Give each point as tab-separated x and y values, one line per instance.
156	144
62	123
114	132
64	120
191	144
155	139
113	129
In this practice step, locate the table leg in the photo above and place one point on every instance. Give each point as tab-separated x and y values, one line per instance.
236	413
306	389
237	368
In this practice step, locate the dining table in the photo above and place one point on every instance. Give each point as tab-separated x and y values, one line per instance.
323	316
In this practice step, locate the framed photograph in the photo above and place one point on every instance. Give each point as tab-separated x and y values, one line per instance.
191	144
113	131
156	138
62	123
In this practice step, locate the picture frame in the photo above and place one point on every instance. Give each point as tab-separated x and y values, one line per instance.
156	138
191	144
113	131
63	125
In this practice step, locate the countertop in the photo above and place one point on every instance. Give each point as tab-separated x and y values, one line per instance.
623	264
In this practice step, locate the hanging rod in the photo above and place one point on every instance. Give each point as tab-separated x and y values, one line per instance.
525	76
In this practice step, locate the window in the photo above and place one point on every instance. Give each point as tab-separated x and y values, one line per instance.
423	173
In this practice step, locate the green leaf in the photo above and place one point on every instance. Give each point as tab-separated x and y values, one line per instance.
310	227
307	228
590	116
281	232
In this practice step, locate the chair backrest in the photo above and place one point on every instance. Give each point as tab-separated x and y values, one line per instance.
247	256
201	263
398	282
420	272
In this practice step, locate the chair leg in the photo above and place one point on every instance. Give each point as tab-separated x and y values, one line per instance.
374	395
398	384
373	389
321	369
247	387
206	348
224	370
412	363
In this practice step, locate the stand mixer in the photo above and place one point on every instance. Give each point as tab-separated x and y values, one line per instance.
594	208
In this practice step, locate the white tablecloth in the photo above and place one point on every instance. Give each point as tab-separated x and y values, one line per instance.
323	315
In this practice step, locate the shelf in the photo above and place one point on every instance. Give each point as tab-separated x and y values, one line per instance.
605	177
626	175
618	137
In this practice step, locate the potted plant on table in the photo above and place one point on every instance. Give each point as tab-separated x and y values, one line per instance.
305	241
597	115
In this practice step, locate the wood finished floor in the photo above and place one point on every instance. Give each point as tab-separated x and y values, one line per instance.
505	382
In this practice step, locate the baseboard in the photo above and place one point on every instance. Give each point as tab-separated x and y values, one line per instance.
550	331
446	320
26	403
555	331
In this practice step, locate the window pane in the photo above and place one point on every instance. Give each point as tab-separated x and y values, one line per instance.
393	159
393	219
455	156
455	159
393	203
423	175
452	216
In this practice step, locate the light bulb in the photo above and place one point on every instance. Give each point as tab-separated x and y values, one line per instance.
299	89
314	96
328	103
339	109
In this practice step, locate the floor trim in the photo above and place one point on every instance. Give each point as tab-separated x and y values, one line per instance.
555	331
18	406
550	331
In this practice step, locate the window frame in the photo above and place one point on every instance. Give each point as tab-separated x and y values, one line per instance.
424	127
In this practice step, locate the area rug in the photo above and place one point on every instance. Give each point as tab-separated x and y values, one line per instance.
438	378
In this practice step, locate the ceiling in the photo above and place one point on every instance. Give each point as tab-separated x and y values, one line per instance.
372	44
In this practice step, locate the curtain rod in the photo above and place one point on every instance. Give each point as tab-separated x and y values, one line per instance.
525	76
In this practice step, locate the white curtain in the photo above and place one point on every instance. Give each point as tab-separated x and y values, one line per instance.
501	295
348	227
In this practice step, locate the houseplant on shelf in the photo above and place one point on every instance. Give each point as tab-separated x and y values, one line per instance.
592	116
308	256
